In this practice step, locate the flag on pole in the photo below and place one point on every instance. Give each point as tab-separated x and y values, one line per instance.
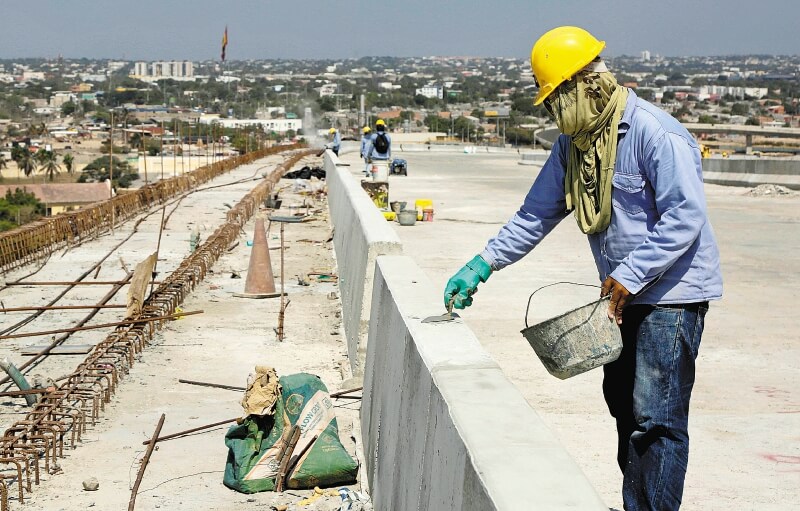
224	42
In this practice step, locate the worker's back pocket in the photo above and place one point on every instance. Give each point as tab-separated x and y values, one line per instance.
630	193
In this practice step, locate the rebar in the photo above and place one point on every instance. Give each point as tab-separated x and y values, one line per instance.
145	461
83	393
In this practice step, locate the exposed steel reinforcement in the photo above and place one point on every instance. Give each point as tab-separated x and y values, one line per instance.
62	414
38	239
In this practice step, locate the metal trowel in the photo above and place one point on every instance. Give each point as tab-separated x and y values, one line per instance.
447	316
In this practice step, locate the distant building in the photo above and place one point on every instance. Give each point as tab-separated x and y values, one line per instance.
58	99
81	87
62	197
268	125
645	56
164	69
329	89
431	91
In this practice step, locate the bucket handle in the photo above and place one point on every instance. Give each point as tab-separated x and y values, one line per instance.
528	307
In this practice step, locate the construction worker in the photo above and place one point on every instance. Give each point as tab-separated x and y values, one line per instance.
380	143
366	143
632	176
336	141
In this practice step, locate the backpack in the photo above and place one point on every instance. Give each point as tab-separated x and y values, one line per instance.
381	143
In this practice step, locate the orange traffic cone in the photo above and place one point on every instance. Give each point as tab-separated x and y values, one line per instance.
260	282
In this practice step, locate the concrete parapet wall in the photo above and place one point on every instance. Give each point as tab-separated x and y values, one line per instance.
443	427
752	171
360	235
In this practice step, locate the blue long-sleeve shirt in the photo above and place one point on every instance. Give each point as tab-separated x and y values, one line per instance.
374	154
337	141
659	244
366	141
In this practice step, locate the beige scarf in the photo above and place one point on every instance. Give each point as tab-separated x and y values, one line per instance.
588	109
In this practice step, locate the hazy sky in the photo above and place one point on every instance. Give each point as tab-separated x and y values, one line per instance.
192	29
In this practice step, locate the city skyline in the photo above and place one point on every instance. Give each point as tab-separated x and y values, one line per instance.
155	30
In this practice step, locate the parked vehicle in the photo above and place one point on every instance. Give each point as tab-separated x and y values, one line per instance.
398	166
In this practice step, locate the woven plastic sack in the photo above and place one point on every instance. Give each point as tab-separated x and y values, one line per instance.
254	445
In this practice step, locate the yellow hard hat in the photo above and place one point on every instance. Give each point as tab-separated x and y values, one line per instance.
380	123
559	54
366	129
332	130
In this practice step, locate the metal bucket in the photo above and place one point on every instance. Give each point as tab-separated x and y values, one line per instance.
577	341
407	217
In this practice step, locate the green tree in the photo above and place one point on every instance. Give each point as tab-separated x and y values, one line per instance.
524	105
69	161
68	108
25	160
465	128
18	208
98	171
48	164
740	109
3	165
437	124
327	104
36	130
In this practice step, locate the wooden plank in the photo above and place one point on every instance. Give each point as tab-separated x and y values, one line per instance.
68	349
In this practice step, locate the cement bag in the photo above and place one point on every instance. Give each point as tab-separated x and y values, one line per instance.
254	445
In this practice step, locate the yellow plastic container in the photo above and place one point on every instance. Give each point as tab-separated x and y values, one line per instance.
389	215
421	204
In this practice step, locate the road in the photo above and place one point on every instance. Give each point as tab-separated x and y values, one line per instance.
745	415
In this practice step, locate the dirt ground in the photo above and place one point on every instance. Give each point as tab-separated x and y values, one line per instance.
222	345
745	410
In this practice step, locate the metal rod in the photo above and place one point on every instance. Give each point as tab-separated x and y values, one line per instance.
72	283
294	436
158	248
343	392
186	432
145	461
108	296
282	313
215	385
18	393
102	325
111	171
61	307
293	461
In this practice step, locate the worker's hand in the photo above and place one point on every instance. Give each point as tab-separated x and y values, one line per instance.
464	283
620	297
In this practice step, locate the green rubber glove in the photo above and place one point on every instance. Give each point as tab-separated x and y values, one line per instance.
464	283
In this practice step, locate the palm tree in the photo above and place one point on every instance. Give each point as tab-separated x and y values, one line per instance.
68	161
25	161
48	164
35	130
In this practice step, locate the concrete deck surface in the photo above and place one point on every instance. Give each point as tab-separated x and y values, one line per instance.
745	415
222	345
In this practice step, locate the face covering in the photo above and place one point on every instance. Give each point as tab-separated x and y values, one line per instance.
588	109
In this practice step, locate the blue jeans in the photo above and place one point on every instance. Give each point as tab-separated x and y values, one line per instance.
647	391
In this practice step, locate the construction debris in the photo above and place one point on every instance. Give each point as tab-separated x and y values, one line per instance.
258	445
91	484
263	389
769	191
